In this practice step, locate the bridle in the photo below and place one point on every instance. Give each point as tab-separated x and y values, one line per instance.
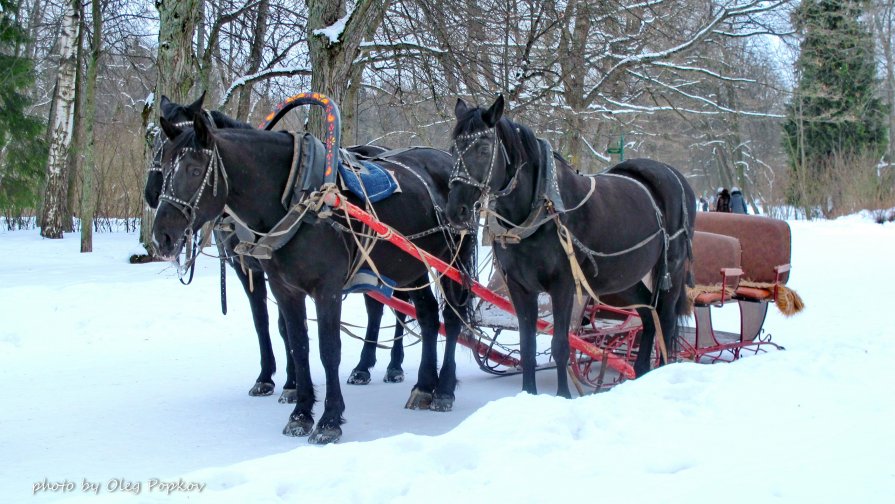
160	140
188	208
460	171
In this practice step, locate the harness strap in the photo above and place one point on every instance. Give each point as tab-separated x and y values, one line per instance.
547	200
293	171
263	245
222	254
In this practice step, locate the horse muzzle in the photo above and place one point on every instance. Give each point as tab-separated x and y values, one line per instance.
167	246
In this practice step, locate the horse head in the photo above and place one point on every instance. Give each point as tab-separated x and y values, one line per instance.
481	163
195	184
180	116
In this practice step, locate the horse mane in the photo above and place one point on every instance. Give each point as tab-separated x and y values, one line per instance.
222	120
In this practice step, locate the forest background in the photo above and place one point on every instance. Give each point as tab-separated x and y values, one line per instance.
791	101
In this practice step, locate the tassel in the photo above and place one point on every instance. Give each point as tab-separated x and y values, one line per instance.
665	284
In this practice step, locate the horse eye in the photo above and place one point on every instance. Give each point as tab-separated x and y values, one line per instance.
196	171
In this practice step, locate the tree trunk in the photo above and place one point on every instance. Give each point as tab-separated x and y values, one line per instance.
88	191
572	48
178	20
60	129
887	37
331	60
348	107
34	23
75	157
255	55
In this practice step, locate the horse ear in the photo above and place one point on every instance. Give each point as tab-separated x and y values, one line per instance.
203	131
171	131
165	105
493	114
460	108
196	106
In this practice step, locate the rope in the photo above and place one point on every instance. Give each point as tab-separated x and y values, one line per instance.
343	326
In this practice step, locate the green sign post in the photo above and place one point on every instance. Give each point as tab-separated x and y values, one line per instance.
620	150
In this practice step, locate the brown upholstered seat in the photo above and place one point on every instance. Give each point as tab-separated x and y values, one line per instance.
765	243
716	261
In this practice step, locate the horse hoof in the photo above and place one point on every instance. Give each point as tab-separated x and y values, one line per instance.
394	376
325	435
419	399
289	396
261	389
442	403
359	377
298	426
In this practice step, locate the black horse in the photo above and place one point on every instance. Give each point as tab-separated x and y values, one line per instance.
562	233
246	171
251	276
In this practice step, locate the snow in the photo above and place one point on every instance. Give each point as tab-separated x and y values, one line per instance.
334	31
116	375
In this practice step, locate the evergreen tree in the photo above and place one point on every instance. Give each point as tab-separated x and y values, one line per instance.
836	112
23	149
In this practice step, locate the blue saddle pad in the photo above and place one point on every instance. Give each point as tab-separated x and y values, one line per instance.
365	280
379	184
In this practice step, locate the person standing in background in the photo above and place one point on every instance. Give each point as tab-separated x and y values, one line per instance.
703	203
737	201
722	201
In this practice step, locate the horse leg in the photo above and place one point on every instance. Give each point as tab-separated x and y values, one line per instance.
454	309
562	299
329	312
427	379
360	375
673	305
288	396
643	363
264	385
394	373
526	306
292	309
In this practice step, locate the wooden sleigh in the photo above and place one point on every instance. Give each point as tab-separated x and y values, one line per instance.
741	259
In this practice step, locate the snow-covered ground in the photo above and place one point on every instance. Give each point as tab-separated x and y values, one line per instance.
116	375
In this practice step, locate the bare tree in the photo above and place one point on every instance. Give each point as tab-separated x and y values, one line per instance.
61	126
883	21
334	43
255	58
88	189
176	75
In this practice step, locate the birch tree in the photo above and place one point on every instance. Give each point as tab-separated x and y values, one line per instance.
61	127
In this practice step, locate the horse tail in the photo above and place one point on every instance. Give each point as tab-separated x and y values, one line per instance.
684	308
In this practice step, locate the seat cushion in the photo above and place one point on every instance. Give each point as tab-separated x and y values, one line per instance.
764	242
